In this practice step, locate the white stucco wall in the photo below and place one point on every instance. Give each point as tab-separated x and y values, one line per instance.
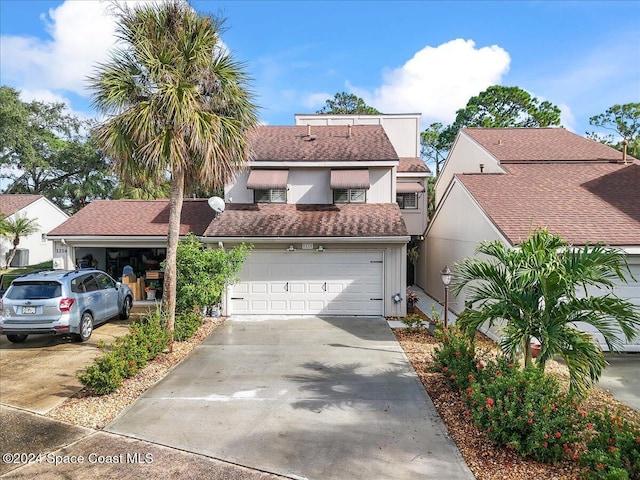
48	217
465	157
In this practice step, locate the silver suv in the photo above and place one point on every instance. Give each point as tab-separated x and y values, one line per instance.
63	302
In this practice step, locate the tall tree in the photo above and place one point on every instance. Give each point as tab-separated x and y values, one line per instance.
539	291
347	104
501	107
624	121
46	151
432	147
13	229
178	108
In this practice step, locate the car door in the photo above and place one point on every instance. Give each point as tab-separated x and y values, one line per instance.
109	295
92	299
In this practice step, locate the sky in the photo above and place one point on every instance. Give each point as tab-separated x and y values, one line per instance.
427	57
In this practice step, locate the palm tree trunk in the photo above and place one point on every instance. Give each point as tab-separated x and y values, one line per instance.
527	352
170	271
16	242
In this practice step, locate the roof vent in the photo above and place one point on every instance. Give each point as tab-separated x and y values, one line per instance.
349	131
499	142
310	138
308	130
625	142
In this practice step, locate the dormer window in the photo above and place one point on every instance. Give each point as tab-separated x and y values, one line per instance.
273	195
350	195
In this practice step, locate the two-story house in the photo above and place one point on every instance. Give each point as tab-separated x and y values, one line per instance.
319	204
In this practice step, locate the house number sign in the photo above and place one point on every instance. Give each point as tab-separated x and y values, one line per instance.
307	246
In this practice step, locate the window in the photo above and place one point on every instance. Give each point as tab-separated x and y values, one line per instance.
105	281
407	201
274	195
349	195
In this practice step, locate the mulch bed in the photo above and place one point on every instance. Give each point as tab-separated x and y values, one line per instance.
486	460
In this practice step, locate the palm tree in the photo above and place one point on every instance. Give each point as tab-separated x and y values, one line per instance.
178	108
540	291
13	229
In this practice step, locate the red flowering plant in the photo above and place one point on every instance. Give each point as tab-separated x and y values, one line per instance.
456	358
613	447
525	411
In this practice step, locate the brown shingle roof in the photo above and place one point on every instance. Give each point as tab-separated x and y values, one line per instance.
135	218
412	164
583	203
11	203
278	220
511	145
327	143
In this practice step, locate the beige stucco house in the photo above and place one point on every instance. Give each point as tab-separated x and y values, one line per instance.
319	203
35	248
502	184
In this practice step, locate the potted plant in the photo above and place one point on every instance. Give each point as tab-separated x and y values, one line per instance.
151	290
412	299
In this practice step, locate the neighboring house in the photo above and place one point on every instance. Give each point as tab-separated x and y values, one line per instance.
317	202
502	184
35	248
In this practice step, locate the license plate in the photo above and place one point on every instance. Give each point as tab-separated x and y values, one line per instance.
28	310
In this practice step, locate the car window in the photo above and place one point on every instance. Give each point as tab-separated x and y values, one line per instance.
105	281
90	284
35	290
76	285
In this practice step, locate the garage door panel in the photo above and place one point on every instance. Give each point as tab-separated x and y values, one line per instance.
336	283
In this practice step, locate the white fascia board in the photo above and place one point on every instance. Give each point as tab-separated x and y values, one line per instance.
413	174
307	239
119	240
635	250
327	164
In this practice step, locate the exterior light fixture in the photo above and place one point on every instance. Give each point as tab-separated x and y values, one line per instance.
291	248
445	277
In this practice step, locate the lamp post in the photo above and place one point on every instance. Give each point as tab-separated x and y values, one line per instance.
445	276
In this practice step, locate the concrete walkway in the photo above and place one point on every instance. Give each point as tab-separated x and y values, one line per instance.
303	398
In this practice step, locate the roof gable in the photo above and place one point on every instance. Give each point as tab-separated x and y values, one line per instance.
521	145
12	203
321	143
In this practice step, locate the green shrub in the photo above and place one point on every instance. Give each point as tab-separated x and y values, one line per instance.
613	448
105	375
524	410
187	323
456	358
413	322
126	355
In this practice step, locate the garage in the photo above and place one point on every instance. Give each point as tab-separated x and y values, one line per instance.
310	283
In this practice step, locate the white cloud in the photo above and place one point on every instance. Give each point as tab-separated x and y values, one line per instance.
437	81
316	100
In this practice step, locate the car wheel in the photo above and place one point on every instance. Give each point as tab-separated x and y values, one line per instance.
86	327
126	309
17	338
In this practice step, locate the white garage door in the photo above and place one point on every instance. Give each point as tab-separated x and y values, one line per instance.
310	282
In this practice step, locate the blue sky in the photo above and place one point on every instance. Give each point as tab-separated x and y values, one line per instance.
400	56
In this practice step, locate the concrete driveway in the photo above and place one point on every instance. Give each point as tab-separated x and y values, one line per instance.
304	398
39	374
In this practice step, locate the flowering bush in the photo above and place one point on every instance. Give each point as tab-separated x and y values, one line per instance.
524	410
456	359
613	447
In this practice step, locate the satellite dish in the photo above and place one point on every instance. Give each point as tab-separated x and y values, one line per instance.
216	204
